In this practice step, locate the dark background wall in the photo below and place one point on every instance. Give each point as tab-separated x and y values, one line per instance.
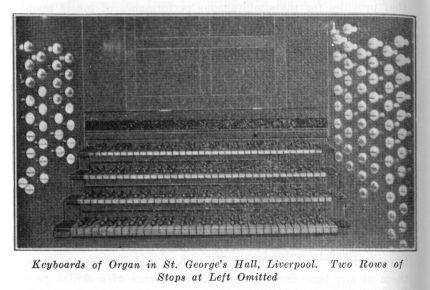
215	64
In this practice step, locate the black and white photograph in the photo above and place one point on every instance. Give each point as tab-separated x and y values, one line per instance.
225	144
215	131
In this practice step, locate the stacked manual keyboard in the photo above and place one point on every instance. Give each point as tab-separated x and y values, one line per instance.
202	187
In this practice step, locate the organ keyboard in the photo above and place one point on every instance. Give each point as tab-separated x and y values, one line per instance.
266	147
216	193
211	187
187	223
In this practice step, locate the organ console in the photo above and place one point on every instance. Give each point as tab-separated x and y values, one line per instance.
312	146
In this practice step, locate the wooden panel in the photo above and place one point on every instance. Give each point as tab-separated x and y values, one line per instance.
240	26
306	61
243	71
280	59
206	42
203	56
104	64
168	72
169	27
218	102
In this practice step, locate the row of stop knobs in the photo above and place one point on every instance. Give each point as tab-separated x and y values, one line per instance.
46	75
